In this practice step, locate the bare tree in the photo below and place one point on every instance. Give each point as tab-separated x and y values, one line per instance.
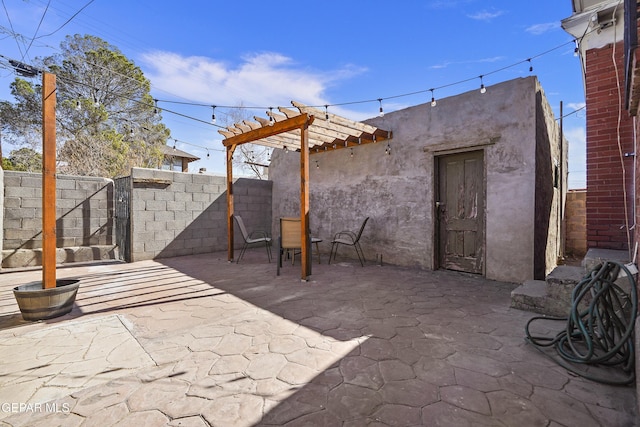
249	158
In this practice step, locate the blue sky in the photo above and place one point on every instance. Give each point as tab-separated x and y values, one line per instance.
267	53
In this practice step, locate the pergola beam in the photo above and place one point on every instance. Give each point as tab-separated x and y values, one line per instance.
265	132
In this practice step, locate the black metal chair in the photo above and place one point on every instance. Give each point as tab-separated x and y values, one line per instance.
348	238
256	236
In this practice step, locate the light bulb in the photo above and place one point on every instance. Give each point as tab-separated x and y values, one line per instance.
482	88
213	115
78	105
381	114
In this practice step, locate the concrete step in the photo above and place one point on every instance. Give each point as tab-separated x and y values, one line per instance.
20	258
530	296
551	296
598	256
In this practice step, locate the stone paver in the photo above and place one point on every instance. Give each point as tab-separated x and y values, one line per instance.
198	341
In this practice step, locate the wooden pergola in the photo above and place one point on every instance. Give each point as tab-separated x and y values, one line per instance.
304	129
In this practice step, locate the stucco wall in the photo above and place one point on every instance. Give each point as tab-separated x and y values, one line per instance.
551	185
397	190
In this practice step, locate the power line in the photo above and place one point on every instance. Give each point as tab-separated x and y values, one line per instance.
37	29
67	21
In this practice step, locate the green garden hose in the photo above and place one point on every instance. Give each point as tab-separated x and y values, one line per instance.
599	328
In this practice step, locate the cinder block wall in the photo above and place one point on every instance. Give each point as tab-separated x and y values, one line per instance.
576	223
177	214
84	211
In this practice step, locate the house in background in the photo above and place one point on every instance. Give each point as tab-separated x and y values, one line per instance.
176	160
607	55
475	184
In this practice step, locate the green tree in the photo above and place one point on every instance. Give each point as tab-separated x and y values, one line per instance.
23	159
106	118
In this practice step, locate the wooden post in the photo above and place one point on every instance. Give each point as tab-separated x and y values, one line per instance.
304	201
48	180
230	211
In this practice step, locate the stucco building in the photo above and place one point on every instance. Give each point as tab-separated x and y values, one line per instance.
475	184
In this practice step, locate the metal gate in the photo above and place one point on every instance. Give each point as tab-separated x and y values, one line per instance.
123	217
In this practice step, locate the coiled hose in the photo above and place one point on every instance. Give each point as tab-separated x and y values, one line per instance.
599	329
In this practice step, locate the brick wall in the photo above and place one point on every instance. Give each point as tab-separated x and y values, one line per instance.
176	214
84	211
576	223
605	199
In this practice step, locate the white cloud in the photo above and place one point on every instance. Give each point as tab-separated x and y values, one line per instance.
539	29
262	79
445	64
448	4
576	105
485	15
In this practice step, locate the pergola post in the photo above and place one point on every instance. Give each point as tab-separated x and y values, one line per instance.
304	201
48	180
230	211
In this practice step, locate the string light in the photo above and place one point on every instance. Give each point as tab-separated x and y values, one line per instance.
352	152
208	154
530	65
286	149
482	88
155	106
271	115
96	103
576	50
433	98
271	119
213	114
326	112
388	149
78	105
317	165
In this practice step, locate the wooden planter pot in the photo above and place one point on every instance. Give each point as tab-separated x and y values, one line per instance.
37	303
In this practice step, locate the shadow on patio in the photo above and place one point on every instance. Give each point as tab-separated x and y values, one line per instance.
236	345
